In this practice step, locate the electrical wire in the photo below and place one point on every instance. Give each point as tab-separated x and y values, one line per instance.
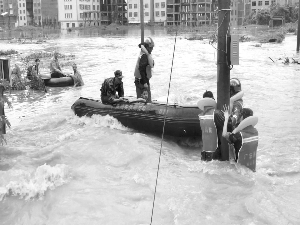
163	132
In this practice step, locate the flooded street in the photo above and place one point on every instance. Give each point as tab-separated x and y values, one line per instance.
60	169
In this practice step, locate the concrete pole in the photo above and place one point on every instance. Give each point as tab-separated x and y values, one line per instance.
142	19
2	127
223	71
298	35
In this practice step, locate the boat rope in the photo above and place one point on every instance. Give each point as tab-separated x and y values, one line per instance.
163	132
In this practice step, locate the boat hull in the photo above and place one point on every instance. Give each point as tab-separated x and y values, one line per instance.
181	121
59	82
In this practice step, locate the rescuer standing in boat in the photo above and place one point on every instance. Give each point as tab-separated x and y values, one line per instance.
143	68
110	87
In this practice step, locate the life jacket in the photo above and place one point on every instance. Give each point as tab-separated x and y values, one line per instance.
137	71
247	152
209	130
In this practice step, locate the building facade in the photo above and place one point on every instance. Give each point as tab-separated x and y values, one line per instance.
49	13
9	13
155	12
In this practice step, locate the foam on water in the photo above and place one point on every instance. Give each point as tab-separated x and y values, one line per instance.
33	186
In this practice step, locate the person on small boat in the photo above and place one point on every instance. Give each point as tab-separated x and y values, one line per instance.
112	90
77	76
244	139
55	69
143	68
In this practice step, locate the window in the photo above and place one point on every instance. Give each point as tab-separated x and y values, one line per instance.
24	18
24	11
98	7
267	3
130	6
20	4
67	24
20	11
146	13
163	13
156	5
23	4
135	14
20	17
259	3
146	6
163	5
73	24
94	7
130	14
156	13
135	6
254	3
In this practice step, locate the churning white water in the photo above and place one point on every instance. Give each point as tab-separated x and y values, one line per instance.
60	169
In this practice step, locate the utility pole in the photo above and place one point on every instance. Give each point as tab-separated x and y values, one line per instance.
223	71
298	35
142	19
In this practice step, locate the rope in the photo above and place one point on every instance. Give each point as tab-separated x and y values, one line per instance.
162	136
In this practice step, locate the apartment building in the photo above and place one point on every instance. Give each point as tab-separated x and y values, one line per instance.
37	12
91	12
22	14
9	12
154	11
49	13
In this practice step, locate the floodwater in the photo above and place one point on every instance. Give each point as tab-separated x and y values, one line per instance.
57	168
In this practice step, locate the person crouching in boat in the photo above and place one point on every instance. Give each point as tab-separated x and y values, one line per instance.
208	126
77	76
243	139
55	69
110	87
143	68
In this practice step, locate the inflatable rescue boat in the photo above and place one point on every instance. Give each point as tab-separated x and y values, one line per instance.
59	82
181	121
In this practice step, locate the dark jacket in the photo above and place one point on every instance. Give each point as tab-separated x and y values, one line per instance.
142	68
109	89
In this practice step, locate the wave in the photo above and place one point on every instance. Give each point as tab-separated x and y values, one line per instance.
33	186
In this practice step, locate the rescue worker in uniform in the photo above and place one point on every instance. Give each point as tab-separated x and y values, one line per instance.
143	68
244	141
110	87
236	102
208	127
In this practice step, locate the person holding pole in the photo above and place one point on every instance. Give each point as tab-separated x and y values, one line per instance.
243	139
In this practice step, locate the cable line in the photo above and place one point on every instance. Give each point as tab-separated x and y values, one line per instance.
163	132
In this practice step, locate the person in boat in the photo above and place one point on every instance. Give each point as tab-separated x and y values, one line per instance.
77	76
209	126
244	138
55	69
112	90
143	68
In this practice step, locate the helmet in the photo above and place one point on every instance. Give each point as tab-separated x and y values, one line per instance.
118	73
235	85
150	42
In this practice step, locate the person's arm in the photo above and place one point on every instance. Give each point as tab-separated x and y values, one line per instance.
226	115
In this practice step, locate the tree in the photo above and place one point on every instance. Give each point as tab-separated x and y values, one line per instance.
263	17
